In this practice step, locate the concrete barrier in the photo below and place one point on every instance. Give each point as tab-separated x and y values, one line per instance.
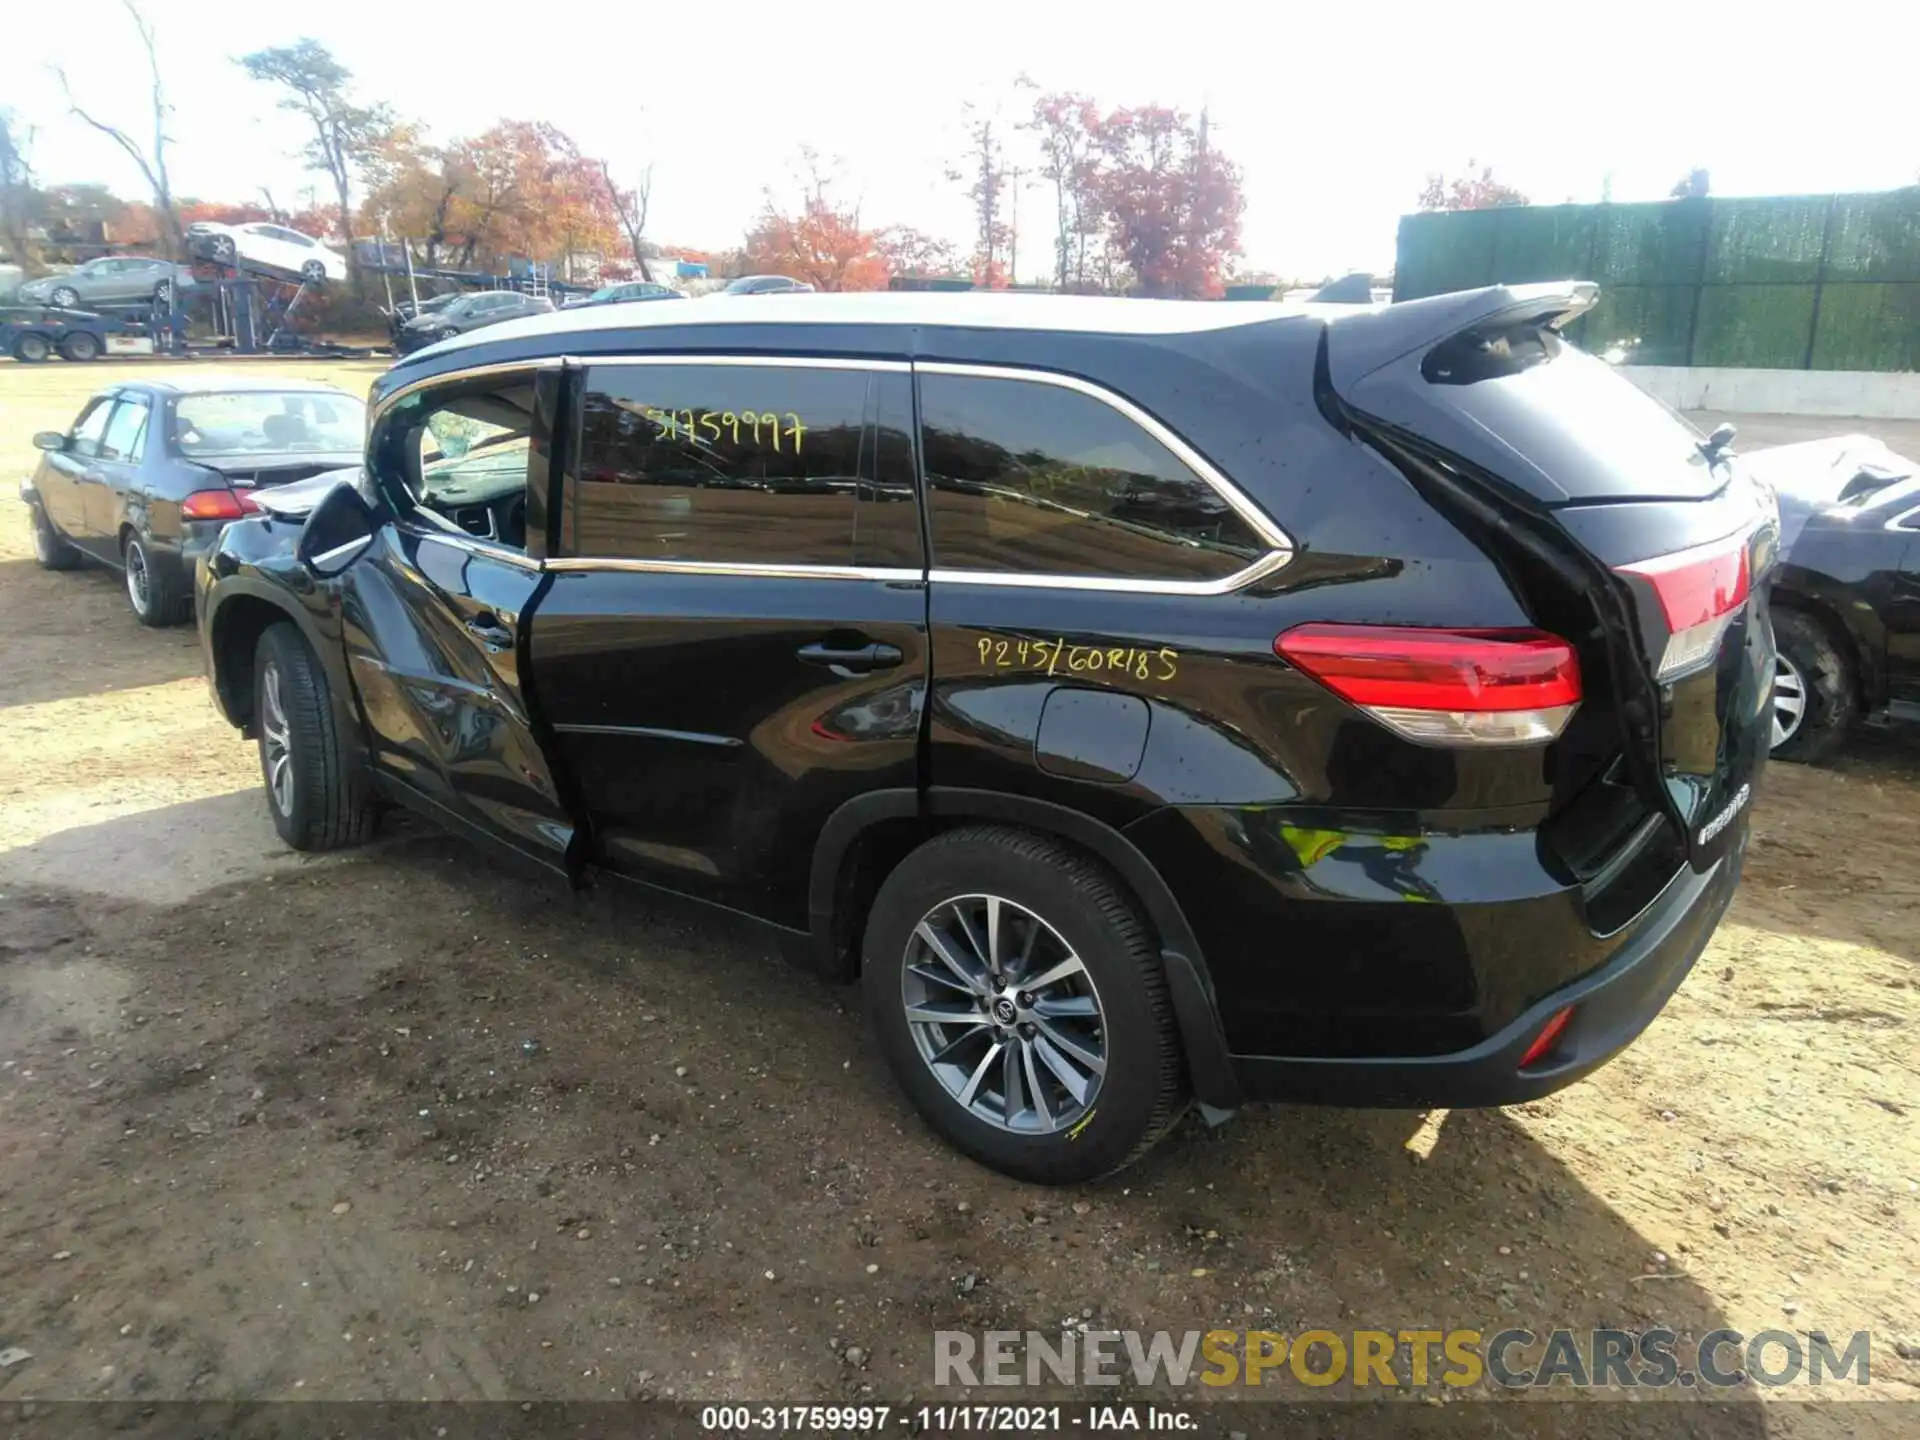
1868	394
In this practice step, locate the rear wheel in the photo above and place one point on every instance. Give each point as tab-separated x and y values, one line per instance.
1020	1002
81	346
317	791
32	348
50	547
156	589
1813	689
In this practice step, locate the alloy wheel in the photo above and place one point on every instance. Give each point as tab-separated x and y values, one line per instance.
1004	1014
138	581
276	742
1789	700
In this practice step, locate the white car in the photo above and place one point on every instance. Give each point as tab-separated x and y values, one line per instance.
264	245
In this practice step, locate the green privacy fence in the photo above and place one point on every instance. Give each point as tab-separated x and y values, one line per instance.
1796	282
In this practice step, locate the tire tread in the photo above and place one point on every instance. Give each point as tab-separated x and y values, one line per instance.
344	812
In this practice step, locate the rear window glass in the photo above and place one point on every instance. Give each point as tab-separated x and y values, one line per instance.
1581	422
269	422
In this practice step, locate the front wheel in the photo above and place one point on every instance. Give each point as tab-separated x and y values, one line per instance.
1813	689
317	790
313	272
65	297
1021	1003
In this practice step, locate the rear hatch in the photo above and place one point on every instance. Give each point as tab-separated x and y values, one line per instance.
1620	528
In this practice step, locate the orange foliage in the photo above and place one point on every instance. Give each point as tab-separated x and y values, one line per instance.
822	245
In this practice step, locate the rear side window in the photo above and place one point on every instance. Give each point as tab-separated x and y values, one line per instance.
1033	478
737	464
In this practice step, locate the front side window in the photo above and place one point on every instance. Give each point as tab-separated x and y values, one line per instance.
1032	478
457	457
725	464
85	437
126	432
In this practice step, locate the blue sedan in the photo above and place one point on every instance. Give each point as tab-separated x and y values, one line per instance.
151	471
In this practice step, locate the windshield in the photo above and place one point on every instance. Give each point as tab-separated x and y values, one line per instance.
269	422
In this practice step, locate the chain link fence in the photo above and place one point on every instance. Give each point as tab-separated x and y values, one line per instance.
1797	282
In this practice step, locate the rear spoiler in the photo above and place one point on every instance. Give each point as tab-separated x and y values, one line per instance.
1360	343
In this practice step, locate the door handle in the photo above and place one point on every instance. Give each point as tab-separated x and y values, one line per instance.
488	630
847	661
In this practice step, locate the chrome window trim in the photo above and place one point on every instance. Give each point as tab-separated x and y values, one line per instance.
1239	580
1906	520
473	545
581	564
765	362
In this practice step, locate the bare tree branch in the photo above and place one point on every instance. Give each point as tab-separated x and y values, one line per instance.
153	162
631	206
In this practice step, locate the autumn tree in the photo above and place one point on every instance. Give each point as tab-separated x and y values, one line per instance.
1170	200
984	169
346	134
1475	189
151	157
1063	126
823	244
19	200
1693	185
914	252
413	189
630	208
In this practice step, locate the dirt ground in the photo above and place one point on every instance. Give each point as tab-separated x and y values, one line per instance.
404	1124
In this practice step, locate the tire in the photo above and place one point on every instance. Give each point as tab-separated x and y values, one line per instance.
50	547
80	346
1125	1104
64	297
157	592
314	273
32	348
1810	661
223	250
317	792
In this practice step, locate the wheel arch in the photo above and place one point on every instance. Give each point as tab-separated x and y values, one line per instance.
238	614
863	840
1866	673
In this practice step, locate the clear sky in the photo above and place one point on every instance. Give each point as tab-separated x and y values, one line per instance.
1334	113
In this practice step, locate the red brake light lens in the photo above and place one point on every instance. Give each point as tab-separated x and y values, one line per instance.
1473	687
1699	591
217	505
1697	585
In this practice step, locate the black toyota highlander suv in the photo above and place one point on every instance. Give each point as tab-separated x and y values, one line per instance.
1145	702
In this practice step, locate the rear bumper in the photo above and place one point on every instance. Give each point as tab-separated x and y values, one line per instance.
1613	1004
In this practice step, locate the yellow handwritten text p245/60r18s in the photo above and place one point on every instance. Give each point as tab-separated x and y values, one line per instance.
1056	657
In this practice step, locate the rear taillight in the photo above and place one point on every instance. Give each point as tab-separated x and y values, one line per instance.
217	505
1700	591
1445	687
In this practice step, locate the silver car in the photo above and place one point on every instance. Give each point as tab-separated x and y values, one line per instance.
107	280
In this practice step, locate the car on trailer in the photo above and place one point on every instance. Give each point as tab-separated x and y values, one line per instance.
1144	702
150	470
264	245
109	280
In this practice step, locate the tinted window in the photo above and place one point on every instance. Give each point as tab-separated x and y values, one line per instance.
1034	478
126	431
91	426
721	463
887	528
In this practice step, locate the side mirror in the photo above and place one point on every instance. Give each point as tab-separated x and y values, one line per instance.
50	440
337	533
